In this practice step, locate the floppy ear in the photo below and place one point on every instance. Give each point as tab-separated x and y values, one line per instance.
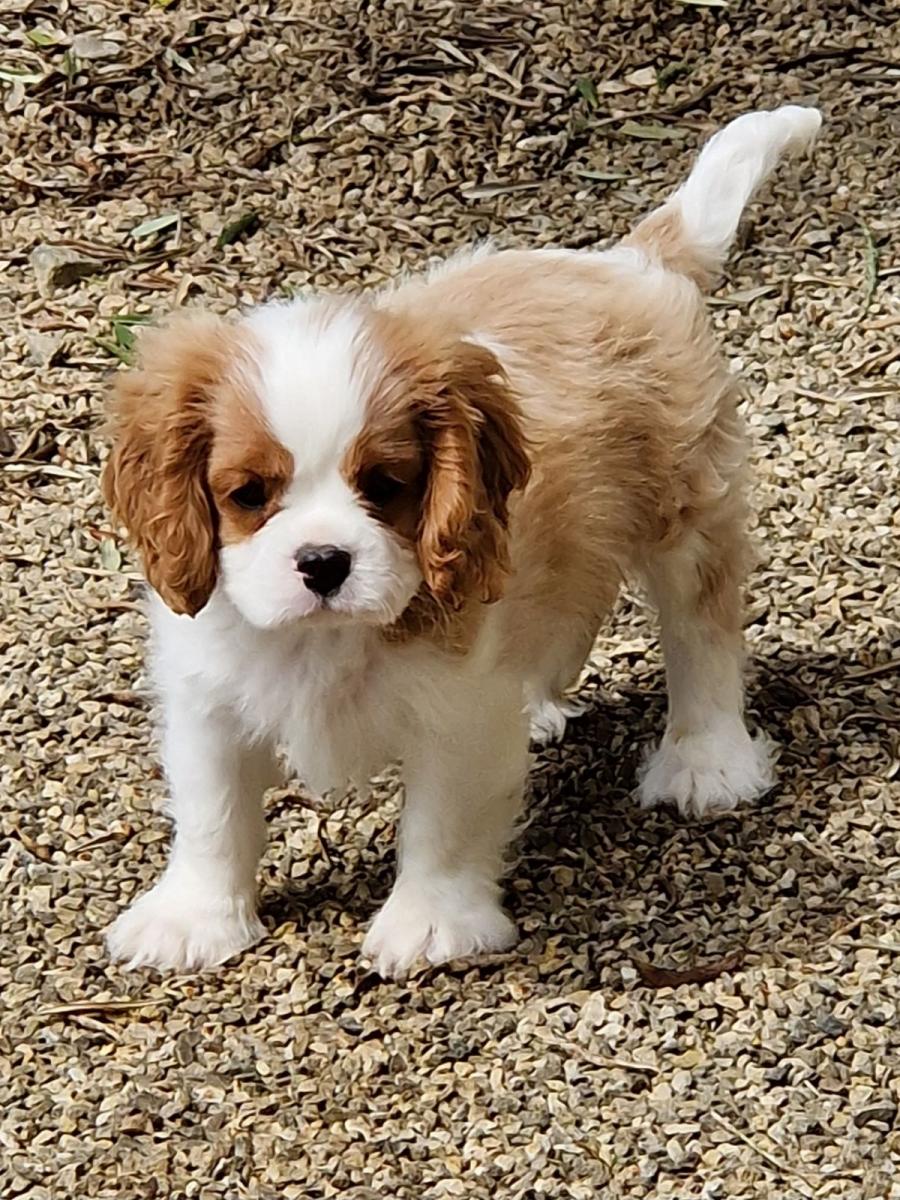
155	479
477	457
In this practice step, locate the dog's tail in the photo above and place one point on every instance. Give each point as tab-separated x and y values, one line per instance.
692	232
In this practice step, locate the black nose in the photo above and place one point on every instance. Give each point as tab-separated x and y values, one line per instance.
324	568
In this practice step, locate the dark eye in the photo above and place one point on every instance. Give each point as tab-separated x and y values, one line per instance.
250	495
380	488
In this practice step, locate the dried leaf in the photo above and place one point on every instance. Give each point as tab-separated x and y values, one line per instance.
643	78
650	131
173	56
15	98
155	225
484	191
662	977
90	46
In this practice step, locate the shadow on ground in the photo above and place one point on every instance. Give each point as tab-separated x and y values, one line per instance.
595	872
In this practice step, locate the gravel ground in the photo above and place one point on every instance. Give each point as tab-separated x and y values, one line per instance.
335	143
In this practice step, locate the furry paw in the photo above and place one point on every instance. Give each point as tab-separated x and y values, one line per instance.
705	773
172	928
436	924
548	717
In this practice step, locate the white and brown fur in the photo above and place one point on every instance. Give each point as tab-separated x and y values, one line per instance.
495	446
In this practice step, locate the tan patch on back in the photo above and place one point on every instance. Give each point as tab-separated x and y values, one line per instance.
630	413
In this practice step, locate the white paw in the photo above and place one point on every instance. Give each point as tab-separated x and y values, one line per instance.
170	928
436	924
708	772
548	718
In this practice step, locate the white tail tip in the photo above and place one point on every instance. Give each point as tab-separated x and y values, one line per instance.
693	231
731	166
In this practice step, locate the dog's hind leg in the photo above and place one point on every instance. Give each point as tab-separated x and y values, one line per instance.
707	761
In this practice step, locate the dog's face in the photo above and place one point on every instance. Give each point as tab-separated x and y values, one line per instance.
320	461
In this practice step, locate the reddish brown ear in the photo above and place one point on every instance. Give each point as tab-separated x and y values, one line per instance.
477	455
155	479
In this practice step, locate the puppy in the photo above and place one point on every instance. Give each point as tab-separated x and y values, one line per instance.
388	528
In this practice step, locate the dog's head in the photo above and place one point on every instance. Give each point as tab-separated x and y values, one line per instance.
318	461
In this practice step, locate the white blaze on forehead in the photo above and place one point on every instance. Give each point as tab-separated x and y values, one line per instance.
312	391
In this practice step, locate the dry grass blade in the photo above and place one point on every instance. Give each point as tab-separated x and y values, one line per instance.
777	1163
487	191
890	667
744	297
650	131
597	1060
870	253
76	1007
600	176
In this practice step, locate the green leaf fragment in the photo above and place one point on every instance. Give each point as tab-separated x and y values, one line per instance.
44	37
122	327
247	223
111	348
670	72
11	75
870	256
588	92
110	555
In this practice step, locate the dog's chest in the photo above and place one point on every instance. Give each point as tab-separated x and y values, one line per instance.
327	700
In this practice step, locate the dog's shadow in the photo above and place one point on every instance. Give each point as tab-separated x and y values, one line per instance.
774	877
599	878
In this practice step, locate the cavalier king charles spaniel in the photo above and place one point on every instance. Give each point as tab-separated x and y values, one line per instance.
388	528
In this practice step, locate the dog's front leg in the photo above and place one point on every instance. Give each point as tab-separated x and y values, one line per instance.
465	778
203	909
